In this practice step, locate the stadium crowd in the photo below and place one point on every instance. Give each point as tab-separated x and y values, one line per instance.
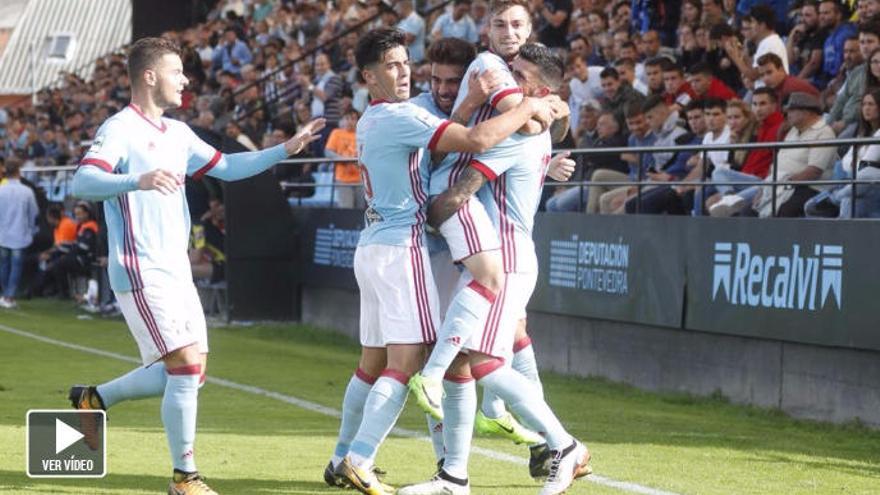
639	73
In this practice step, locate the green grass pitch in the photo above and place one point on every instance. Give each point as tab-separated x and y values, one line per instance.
255	444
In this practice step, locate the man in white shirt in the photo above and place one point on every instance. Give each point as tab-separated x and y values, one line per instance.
413	26
456	23
762	20
585	85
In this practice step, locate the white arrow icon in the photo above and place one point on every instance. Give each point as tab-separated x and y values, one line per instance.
65	436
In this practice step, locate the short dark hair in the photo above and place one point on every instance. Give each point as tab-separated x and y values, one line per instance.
12	165
714	103
459	2
693	105
145	52
657	61
762	14
54	211
372	47
550	66
652	102
699	68
673	67
618	6
770	58
632	109
609	72
625	61
870	27
628	44
766	91
452	51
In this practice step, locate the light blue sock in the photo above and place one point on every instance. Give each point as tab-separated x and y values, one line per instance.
522	397
383	407
138	383
467	312
179	410
492	405
352	412
459	406
524	362
435	430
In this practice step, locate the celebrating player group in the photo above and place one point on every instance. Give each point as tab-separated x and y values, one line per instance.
445	264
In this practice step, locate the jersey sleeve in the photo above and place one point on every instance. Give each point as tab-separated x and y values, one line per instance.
418	128
202	157
109	148
497	160
508	85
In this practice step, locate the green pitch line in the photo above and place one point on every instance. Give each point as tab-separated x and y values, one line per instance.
254	444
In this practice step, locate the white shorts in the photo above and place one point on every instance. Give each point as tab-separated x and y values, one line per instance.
497	336
470	231
398	295
163	319
446	275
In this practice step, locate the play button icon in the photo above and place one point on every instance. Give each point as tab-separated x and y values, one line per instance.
66	444
65	436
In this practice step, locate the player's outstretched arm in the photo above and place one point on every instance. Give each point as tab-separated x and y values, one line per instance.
94	184
488	133
449	201
237	166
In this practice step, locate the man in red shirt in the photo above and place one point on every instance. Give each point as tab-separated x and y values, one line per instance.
678	92
775	78
707	86
756	166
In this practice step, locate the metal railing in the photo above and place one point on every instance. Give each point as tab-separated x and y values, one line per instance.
326	189
641	182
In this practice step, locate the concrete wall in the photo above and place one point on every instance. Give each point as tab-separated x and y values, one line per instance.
822	383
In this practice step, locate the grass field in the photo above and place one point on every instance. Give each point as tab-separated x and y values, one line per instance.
257	444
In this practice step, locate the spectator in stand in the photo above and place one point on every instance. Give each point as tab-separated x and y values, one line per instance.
872	76
342	144
743	128
478	13
805	44
717	57
554	18
626	67
207	240
616	93
456	23
579	46
413	27
831	19
585	85
326	90
713	12
654	75
705	85
232	54
677	200
621	16
852	58
18	225
774	77
794	164
233	131
76	259
601	197
691	13
607	135
668	166
688	52
652	46
677	92
844	114
758	26
717	134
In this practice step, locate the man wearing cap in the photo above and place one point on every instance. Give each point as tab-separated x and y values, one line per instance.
804	114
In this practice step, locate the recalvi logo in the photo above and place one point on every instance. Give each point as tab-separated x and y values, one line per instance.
801	279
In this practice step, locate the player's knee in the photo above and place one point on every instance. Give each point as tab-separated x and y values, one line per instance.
185	356
492	280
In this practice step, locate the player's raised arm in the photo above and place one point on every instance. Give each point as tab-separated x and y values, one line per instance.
237	166
491	132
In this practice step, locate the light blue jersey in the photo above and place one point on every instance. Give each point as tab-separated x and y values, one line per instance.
392	139
435	243
516	169
148	232
447	172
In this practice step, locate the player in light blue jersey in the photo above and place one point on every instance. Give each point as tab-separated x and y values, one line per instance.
512	174
136	166
398	297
